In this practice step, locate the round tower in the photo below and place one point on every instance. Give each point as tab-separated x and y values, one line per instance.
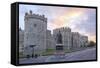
35	31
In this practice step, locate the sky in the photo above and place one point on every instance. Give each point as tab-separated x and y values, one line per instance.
82	20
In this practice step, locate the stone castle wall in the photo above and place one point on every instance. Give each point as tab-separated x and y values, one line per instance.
66	36
35	31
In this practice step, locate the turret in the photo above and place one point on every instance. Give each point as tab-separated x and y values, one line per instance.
36	16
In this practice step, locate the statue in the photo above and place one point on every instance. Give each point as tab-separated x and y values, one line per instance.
59	38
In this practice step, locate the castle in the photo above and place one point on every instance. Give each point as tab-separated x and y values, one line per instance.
37	36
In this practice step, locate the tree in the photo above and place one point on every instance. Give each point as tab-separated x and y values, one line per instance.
91	44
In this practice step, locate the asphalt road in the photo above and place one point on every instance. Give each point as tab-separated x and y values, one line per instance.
88	54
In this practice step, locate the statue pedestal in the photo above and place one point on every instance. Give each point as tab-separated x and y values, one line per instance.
60	51
59	47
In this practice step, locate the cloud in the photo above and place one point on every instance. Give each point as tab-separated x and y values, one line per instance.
80	20
89	24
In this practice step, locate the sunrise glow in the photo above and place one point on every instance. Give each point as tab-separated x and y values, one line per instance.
80	20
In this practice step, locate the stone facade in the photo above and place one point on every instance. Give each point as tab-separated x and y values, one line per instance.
75	40
21	40
66	36
50	44
83	41
35	31
79	40
71	39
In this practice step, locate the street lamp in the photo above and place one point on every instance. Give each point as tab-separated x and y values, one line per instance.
32	46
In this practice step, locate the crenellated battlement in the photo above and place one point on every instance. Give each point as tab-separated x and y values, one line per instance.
35	16
63	29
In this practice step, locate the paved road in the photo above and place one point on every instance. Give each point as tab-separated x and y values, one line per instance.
88	54
33	60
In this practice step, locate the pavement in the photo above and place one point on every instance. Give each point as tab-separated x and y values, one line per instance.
87	54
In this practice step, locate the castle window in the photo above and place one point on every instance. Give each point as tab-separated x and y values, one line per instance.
35	25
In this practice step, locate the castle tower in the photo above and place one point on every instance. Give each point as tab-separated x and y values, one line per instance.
66	36
35	31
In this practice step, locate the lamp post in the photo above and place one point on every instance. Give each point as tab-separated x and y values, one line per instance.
32	46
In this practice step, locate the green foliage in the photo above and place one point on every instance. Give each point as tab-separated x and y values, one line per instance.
91	44
48	52
21	55
52	52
